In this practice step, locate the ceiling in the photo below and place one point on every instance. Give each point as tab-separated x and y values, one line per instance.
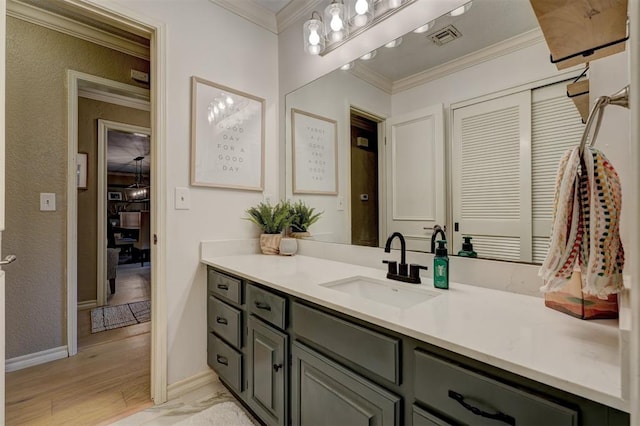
123	147
273	5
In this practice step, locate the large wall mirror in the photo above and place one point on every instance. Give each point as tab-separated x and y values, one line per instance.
460	126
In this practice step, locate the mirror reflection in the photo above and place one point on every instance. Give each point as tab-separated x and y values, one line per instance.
460	125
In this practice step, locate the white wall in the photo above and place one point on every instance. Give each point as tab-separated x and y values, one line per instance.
332	97
207	41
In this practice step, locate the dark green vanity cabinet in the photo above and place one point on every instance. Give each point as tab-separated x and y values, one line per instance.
296	363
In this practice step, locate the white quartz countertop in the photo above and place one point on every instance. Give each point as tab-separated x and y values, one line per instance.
511	331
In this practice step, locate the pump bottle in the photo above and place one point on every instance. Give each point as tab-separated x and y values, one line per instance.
467	248
441	266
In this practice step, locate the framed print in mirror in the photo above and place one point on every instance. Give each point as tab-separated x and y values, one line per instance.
314	153
227	137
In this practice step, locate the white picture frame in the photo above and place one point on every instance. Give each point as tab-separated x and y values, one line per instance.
227	137
315	153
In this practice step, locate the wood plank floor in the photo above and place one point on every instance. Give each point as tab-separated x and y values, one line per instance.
108	378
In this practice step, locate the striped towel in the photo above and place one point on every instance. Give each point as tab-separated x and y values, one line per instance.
586	225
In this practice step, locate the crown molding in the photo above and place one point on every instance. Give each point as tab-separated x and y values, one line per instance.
295	11
76	29
252	12
502	48
114	98
375	79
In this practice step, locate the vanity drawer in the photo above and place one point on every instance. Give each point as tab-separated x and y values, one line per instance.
227	287
369	349
266	305
455	391
225	360
225	320
422	417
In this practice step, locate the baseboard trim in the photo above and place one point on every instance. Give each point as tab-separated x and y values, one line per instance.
87	304
177	389
29	360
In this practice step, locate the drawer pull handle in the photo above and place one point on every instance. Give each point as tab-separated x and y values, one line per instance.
277	367
222	360
501	417
262	305
223	286
221	320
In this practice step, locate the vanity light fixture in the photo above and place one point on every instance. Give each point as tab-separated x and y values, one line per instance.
335	21
424	28
394	43
324	32
313	33
460	10
368	56
361	12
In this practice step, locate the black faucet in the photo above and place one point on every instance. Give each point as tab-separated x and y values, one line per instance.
400	272
437	229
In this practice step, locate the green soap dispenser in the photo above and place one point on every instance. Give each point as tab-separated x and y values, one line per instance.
467	248
441	266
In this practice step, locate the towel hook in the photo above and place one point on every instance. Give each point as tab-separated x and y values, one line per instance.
620	98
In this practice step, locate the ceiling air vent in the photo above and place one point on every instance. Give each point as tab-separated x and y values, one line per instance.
445	35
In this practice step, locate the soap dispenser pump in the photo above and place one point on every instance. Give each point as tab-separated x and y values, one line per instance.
467	248
441	266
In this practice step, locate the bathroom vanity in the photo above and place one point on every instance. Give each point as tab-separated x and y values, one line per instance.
302	341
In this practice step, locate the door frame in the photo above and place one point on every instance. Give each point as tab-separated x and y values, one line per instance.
155	31
103	128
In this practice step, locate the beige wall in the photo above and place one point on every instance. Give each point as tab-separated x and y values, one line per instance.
89	111
36	161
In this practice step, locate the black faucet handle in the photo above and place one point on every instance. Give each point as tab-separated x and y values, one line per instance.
403	269
414	270
393	266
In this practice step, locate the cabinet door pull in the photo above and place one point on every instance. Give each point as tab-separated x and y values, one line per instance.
277	367
221	320
223	286
222	360
262	305
501	417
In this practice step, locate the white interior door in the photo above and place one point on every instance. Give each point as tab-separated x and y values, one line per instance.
415	177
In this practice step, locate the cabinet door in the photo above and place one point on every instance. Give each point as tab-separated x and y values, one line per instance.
326	394
267	371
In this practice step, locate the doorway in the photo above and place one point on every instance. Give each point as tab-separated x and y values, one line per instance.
68	341
364	179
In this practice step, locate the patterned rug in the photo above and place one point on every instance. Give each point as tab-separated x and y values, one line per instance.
110	317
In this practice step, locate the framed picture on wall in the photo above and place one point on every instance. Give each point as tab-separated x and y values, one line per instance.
114	196
314	153
227	137
81	170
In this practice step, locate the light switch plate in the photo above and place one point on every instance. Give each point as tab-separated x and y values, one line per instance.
340	205
47	202
183	198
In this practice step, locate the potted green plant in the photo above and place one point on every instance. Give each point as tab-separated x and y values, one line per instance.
272	220
302	217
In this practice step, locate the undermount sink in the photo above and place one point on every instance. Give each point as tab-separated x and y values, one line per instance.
398	295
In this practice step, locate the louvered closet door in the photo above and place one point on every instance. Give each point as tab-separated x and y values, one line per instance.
556	127
491	175
415	177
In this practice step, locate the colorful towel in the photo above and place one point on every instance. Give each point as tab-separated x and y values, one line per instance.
586	225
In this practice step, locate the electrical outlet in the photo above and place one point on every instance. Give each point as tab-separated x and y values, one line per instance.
340	206
267	198
183	199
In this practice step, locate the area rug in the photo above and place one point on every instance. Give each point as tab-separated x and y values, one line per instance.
223	414
110	317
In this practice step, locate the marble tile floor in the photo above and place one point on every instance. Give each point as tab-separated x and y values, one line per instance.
175	411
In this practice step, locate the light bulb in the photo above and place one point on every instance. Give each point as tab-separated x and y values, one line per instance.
314	49
394	3
314	37
221	105
368	56
361	7
460	10
336	22
229	100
